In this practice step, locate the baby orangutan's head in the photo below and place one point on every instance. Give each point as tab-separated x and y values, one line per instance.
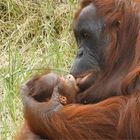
41	87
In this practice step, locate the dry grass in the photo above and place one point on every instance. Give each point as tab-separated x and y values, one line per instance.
34	35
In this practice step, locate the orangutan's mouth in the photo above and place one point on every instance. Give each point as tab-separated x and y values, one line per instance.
83	78
86	81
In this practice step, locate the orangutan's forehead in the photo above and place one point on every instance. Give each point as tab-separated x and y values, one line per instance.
89	10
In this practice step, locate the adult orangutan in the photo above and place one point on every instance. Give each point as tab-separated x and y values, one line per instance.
107	64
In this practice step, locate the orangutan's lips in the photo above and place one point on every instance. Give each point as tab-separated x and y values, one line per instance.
83	79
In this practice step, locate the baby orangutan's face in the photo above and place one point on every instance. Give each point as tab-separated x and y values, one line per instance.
68	88
41	87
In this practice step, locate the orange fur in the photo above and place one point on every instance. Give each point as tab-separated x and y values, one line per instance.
113	117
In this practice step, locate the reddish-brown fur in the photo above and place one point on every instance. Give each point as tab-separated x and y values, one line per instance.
40	88
116	117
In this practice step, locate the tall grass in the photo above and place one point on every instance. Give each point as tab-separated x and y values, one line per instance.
34	35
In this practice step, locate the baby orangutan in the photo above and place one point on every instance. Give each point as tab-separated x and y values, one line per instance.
43	89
